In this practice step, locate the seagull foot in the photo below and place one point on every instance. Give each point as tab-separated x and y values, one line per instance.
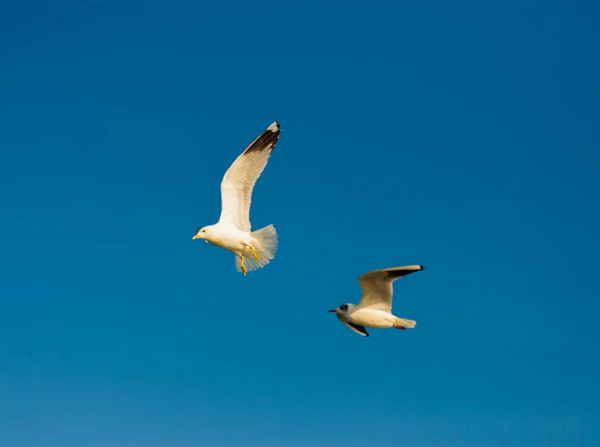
254	254
402	328
243	265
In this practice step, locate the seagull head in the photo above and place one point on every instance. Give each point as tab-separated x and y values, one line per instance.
203	233
341	310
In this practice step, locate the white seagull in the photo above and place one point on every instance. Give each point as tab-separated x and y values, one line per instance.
375	307
255	249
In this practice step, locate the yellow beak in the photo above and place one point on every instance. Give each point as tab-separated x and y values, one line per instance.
196	237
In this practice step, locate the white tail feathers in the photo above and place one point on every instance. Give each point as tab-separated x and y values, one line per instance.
405	323
265	247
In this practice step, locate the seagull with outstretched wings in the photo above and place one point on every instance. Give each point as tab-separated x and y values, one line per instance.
375	307
254	249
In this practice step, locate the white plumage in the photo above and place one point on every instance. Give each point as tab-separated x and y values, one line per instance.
253	250
375	306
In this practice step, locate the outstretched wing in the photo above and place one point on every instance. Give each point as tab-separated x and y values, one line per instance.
238	182
377	287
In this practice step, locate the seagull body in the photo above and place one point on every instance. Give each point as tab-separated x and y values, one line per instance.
255	249
375	307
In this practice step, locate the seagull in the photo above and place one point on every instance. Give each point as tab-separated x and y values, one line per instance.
255	249
375	307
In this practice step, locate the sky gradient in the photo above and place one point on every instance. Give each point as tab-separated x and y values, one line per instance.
460	136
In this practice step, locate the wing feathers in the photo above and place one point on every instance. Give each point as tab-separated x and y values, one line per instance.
377	287
265	141
356	328
398	272
239	180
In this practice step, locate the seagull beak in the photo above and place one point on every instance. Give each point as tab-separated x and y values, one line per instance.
196	237
332	310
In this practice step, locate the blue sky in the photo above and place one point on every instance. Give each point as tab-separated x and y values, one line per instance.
460	136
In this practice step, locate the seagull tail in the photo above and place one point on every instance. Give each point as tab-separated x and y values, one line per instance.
265	247
402	322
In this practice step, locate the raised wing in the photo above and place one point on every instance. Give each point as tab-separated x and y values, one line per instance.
377	287
238	182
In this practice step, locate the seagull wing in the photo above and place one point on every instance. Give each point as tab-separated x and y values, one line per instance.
238	182
377	288
356	328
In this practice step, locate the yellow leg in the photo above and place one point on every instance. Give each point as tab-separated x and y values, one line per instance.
243	265
254	254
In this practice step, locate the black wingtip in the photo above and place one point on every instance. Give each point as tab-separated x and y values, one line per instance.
274	127
399	272
266	141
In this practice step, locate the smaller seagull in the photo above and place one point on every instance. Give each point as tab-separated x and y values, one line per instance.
375	307
232	231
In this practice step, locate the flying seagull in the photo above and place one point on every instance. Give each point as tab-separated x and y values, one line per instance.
255	249
375	307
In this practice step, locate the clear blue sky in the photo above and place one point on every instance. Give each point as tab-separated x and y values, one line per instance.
462	136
